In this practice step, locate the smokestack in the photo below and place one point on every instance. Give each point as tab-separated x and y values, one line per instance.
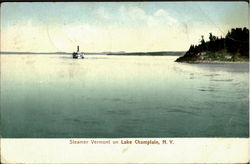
77	48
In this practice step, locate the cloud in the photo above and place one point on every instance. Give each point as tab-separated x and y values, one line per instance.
154	31
160	12
151	34
103	13
137	15
164	17
136	12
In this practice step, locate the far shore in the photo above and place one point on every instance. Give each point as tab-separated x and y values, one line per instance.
155	53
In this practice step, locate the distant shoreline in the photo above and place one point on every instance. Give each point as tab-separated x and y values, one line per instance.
32	53
159	53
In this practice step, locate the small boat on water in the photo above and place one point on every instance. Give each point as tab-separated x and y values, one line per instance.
78	55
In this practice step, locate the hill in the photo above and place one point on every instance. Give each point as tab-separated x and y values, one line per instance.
233	48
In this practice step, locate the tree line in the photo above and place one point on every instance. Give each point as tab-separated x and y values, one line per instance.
236	41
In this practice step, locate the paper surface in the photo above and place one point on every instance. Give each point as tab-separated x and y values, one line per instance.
181	150
122	97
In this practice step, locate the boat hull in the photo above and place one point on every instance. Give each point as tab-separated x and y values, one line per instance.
77	56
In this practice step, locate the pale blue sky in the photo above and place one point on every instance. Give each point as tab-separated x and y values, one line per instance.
116	26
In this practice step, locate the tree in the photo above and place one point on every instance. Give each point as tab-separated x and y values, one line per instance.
203	46
237	41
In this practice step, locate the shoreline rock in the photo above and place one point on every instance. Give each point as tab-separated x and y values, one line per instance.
214	62
219	57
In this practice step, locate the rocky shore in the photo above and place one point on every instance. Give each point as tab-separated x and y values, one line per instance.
213	57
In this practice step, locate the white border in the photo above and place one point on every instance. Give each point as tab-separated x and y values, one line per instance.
182	150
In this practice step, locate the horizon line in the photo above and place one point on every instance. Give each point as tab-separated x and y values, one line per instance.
91	52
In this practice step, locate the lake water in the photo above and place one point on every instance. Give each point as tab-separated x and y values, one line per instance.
121	96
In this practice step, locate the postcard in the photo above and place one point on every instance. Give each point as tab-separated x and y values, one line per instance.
124	82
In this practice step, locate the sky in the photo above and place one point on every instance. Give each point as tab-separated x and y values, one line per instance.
115	26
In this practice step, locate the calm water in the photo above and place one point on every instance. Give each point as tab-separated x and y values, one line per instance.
121	96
